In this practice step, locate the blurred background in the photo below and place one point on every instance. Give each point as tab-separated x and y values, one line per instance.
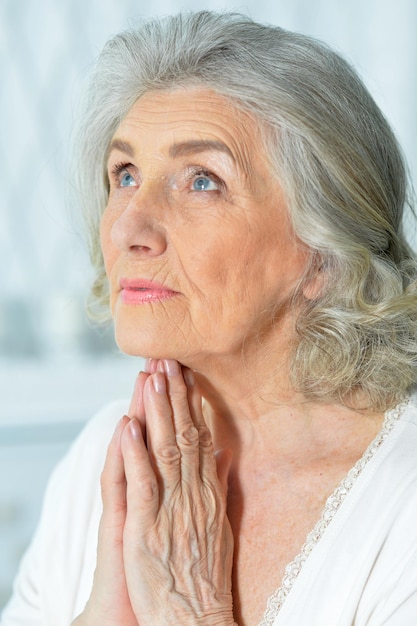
56	368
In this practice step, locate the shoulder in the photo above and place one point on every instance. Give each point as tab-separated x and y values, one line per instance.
365	562
390	594
409	412
84	460
392	472
55	576
73	491
102	423
401	444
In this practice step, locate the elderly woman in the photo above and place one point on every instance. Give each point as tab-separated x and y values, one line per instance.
249	198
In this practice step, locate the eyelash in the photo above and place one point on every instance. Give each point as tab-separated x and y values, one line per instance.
195	173
118	168
121	167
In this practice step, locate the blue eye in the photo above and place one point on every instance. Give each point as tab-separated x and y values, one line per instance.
204	183
127	180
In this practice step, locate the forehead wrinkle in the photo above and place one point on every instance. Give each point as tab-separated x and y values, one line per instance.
242	143
186	148
245	164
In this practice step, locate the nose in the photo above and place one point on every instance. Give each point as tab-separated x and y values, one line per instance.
139	227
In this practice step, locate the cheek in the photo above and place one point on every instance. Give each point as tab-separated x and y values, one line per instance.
109	251
210	260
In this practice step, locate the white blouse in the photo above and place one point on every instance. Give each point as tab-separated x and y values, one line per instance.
358	566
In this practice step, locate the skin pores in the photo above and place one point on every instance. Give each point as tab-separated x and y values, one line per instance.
197	244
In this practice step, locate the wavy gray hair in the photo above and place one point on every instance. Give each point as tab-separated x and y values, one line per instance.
336	159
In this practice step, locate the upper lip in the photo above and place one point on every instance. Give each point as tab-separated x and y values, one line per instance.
142	283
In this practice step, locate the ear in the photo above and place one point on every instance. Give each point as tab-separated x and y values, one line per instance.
315	280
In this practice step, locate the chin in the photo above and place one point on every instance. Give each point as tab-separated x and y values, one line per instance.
134	347
144	332
143	344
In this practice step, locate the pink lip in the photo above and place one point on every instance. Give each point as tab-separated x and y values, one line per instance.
141	291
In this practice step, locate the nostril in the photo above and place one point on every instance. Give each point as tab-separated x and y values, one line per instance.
136	227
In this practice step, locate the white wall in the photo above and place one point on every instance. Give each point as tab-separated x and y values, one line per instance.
46	49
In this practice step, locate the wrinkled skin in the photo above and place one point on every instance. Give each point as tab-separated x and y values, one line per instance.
165	545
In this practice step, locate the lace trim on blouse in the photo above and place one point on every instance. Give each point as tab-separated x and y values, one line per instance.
331	507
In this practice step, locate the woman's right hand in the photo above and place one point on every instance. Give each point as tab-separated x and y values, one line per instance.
109	603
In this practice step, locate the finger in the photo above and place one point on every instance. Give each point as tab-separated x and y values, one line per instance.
109	594
207	462
186	430
160	433
142	492
113	494
113	481
151	365
136	408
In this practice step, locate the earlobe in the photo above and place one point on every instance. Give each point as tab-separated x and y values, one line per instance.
315	281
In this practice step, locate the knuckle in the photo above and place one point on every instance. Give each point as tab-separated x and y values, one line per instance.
178	388
179	401
205	437
189	437
178	393
168	454
148	489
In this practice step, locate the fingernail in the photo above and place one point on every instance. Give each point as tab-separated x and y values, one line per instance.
150	366
159	382
138	378
120	425
172	367
189	377
135	430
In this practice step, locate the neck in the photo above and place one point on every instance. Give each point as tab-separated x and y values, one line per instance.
255	412
243	399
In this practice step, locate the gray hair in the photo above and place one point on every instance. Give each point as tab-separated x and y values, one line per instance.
336	159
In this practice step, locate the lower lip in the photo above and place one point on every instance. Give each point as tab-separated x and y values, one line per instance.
145	296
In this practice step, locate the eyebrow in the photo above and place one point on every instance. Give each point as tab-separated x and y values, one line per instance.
122	146
185	148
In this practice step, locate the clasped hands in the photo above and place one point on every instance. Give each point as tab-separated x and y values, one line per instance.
165	546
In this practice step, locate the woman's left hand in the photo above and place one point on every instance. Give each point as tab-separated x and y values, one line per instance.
177	540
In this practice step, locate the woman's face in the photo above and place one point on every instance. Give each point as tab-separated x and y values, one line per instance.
196	240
